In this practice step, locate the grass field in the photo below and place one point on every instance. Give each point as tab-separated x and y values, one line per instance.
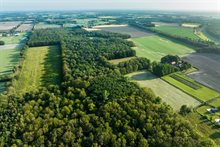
178	31
202	36
42	66
169	94
204	127
117	61
203	93
13	39
9	59
155	47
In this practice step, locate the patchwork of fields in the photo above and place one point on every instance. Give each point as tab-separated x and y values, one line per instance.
169	94
155	47
43	69
191	87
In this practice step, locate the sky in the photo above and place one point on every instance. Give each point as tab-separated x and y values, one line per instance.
181	5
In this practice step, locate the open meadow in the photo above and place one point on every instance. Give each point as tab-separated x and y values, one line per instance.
191	87
46	26
169	94
43	69
155	47
178	31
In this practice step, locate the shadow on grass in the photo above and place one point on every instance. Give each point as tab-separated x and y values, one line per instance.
52	67
215	135
143	76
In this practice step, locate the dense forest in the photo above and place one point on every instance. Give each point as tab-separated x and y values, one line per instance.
95	105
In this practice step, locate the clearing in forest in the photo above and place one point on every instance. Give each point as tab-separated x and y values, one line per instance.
42	66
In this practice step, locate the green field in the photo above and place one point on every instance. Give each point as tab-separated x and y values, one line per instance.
13	39
215	103
178	31
169	94
9	59
203	93
117	61
155	47
42	66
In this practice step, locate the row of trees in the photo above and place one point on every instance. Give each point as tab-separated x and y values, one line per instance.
94	106
134	65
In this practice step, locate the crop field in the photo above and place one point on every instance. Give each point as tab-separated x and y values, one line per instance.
215	103
6	26
169	94
14	39
190	25
209	69
46	26
191	87
165	24
43	69
178	31
25	27
124	29
155	47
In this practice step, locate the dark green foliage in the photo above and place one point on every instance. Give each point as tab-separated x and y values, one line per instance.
184	110
134	65
163	69
95	106
2	42
169	59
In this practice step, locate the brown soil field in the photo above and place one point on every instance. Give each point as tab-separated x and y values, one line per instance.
209	69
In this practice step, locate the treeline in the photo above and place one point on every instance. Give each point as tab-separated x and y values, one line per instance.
94	106
134	65
200	45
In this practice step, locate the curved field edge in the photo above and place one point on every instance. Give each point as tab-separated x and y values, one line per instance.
169	94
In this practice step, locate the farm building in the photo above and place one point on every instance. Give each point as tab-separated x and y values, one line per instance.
212	110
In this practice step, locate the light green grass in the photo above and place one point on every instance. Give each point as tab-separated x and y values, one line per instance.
204	127
13	39
203	94
42	66
169	94
202	36
117	61
215	103
9	59
155	47
178	31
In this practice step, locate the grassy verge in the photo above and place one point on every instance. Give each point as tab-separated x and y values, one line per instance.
169	94
203	94
155	47
42	66
117	61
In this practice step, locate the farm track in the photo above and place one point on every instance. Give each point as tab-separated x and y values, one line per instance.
209	69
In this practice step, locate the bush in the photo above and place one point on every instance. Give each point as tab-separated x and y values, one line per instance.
2	42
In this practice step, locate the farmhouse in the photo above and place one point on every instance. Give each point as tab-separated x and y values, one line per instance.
212	110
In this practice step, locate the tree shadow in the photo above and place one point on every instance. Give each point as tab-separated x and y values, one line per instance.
53	67
143	76
215	135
